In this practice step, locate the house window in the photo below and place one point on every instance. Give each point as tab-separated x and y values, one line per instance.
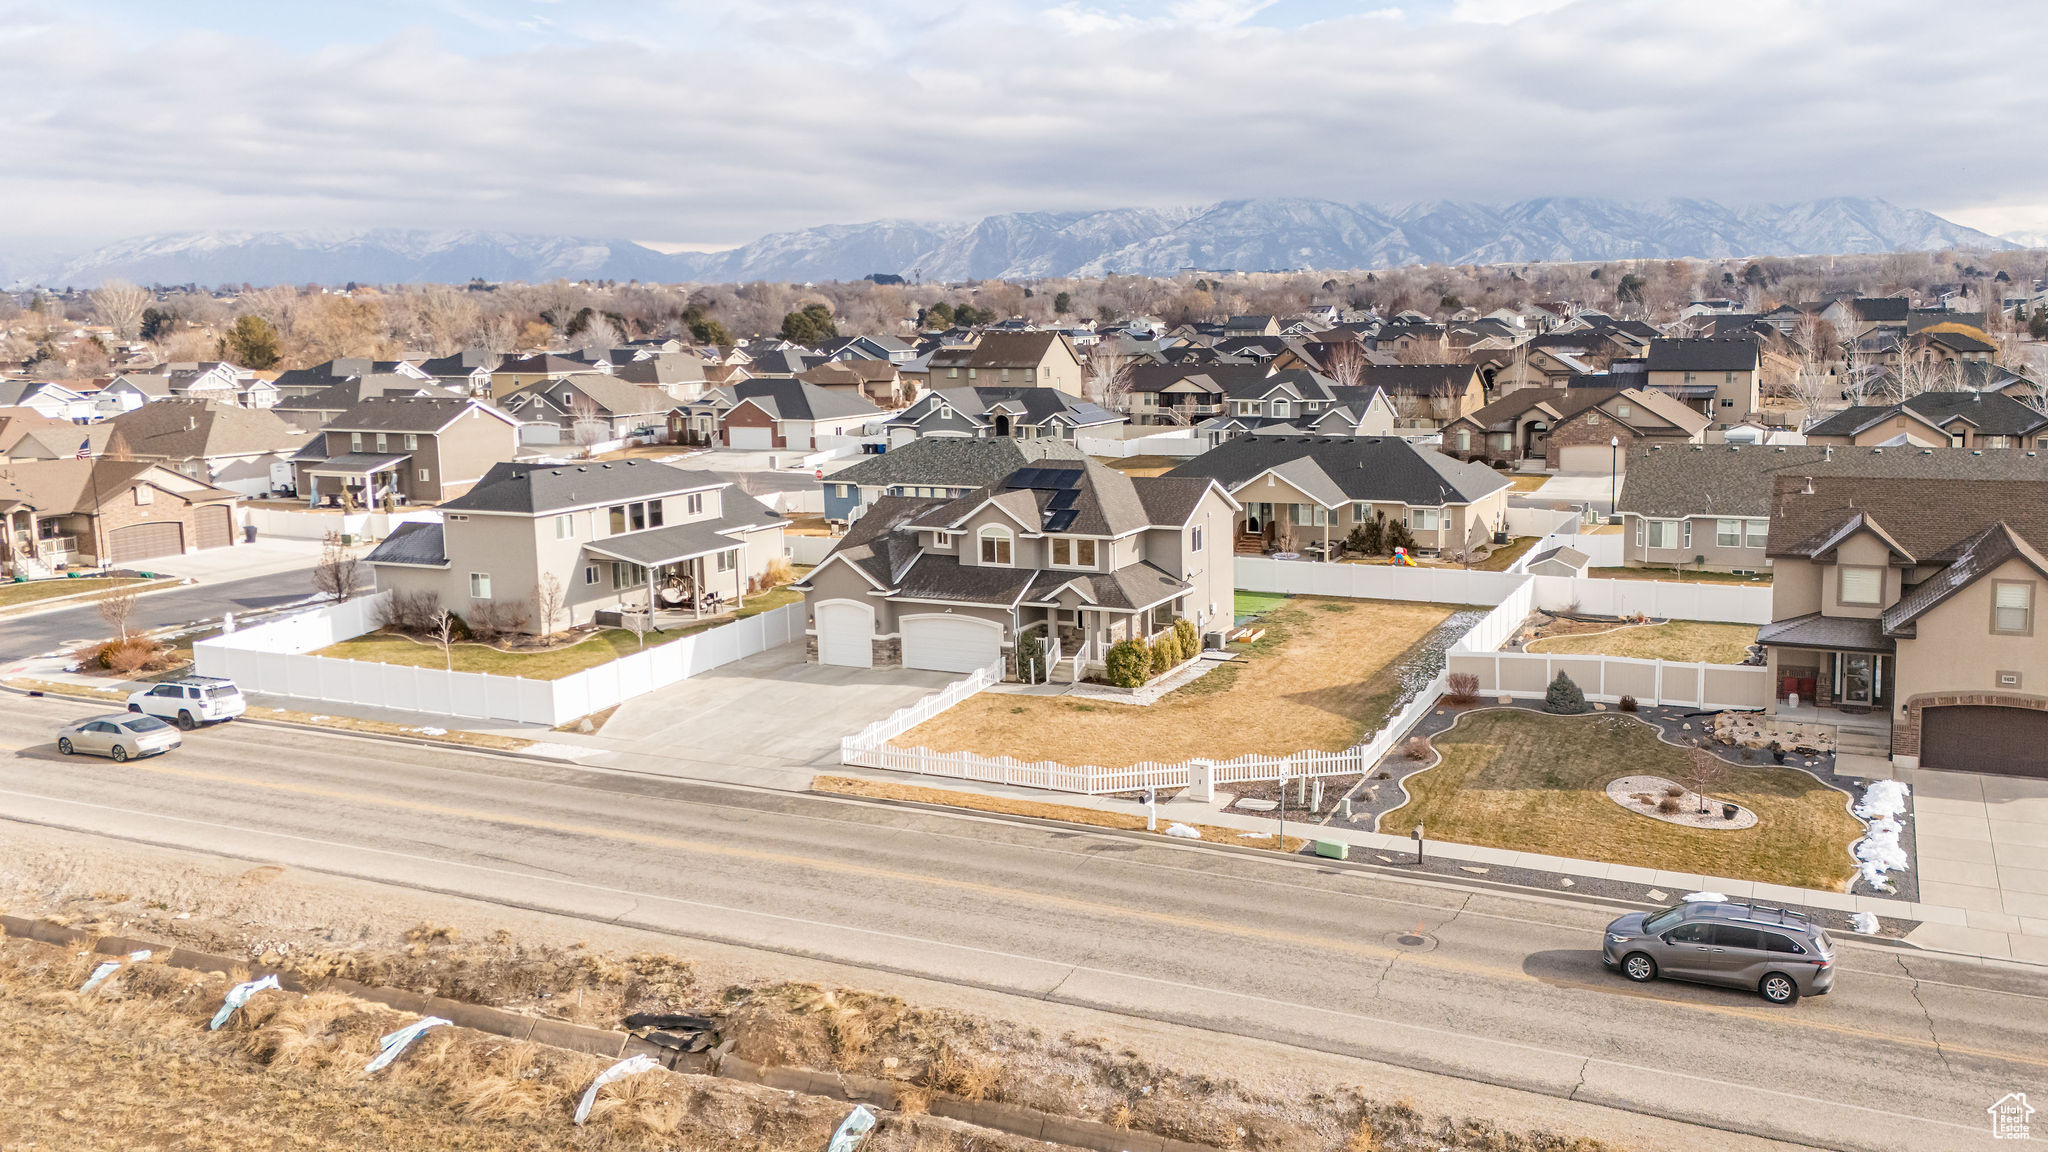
1195	543
1280	407
1728	533
1073	553
695	504
995	545
1692	377
1688	534
565	527
425	476
1997	442
654	515
355	441
1425	519
1727	403
618	518
1006	376
1757	532
725	561
1464	439
626	575
1661	533
144	494
1861	585
1592	417
412	442
1727	378
1622	411
590	573
479	585
952	373
1959	440
2012	608
1360	513
382	445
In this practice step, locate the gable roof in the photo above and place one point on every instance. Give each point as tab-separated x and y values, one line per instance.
875	545
1005	350
1924	523
1664	409
68	486
1337	469
1711	354
409	414
1990	413
955	461
790	399
535	490
414	544
1975	558
1737	479
1418	379
178	428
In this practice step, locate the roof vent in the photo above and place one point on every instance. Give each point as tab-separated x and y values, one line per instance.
1976	452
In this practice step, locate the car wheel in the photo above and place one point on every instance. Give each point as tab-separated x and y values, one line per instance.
1779	988
120	752
64	745
135	707
1639	967
186	721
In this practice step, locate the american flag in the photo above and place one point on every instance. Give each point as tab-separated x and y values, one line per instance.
84	449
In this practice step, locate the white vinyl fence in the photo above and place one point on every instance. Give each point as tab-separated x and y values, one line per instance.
274	659
1663	599
807	549
307	524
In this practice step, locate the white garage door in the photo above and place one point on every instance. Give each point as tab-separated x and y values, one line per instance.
1586	458
758	439
950	643
846	634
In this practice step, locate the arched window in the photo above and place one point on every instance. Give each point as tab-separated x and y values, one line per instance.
1279	406
995	545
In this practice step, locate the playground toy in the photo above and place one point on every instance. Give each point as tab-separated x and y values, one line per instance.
1401	559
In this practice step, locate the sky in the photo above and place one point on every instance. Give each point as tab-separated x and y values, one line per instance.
706	125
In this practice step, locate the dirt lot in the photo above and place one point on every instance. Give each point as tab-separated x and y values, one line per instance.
130	1066
1692	641
1325	674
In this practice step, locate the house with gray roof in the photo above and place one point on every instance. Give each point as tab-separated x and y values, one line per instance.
590	408
1306	493
243	450
611	536
404	450
1024	412
1991	420
935	467
1081	555
770	414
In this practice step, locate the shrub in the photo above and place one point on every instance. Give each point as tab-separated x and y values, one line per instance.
1190	640
493	620
1418	748
1127	664
135	654
1398	536
410	612
1673	791
777	572
1463	688
1165	653
1628	704
1030	658
1564	698
1668	805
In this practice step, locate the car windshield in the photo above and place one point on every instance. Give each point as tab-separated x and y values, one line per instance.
221	692
144	724
1663	920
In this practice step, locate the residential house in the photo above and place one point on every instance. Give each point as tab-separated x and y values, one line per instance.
1855	318
1306	493
1597	430
1512	429
1943	345
936	467
299	383
885	348
1016	359
404	450
1021	411
244	450
52	439
48	399
469	370
772	413
316	408
1251	326
610	536
1427	395
1952	419
1721	377
1916	606
1082	555
879	382
94	512
587	408
519	372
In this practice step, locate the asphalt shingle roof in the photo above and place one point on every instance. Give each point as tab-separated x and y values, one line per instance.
531	489
413	543
954	461
1737	479
1350	468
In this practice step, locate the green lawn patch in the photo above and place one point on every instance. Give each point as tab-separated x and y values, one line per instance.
548	664
13	595
1528	782
1257	603
1504	557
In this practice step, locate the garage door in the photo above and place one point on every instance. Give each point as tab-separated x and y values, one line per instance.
950	643
1585	458
758	439
215	527
142	541
846	634
2008	741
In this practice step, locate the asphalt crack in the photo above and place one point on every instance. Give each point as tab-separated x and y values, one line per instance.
1583	1065
1927	1015
1457	912
1381	981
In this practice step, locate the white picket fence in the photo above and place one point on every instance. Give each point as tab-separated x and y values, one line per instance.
275	659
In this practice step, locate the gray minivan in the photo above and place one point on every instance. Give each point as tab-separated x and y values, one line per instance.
1780	953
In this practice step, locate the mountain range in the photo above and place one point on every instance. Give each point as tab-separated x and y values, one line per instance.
1233	235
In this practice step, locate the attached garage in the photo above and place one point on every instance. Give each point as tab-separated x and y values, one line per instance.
846	634
1979	738
143	541
752	438
1586	458
950	643
214	527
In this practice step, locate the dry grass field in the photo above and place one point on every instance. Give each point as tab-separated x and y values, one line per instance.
1534	783
1692	641
952	798
1326	673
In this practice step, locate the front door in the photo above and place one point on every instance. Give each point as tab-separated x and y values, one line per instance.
1859	678
1257	516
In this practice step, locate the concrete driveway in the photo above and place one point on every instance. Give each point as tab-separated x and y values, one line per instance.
767	720
1576	488
1982	843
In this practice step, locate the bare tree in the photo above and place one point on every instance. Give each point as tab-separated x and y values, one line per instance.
1811	389
1108	381
116	611
1703	770
335	573
444	631
588	424
119	306
547	603
1346	364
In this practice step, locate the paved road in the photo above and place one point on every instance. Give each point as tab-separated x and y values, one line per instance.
1906	1054
35	635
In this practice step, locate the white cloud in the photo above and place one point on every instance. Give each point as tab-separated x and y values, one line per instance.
708	126
1503	11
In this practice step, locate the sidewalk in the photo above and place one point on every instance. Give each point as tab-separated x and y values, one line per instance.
266	557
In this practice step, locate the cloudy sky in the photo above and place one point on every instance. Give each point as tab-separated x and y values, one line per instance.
707	124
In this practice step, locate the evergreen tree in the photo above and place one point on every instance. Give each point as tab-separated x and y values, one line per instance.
808	327
1564	698
1062	303
251	343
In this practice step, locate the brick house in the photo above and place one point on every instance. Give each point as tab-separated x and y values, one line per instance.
1586	434
90	512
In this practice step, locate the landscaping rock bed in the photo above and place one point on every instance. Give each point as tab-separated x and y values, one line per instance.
1644	796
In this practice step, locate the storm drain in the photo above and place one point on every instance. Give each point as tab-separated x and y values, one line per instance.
1415	941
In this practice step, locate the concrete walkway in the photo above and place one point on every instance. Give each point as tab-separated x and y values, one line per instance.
1983	847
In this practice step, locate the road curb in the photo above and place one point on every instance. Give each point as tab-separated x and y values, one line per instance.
72	600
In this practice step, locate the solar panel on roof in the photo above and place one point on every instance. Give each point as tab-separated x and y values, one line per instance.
1058	521
1063	499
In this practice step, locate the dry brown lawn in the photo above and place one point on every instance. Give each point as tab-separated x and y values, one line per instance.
1692	641
1142	465
1325	675
1009	806
1528	782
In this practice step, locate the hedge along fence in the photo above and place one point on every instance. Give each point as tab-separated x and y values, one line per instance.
274	659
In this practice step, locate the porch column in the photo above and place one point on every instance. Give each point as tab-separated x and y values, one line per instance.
739	581
1326	538
697	588
650	596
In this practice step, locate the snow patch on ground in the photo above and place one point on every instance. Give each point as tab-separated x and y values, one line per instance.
1183	831
1706	898
1865	922
1879	853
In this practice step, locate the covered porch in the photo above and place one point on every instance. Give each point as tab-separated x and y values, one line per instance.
1079	621
356	479
682	573
34	545
1843	664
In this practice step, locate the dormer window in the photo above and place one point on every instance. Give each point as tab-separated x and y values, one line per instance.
995	545
1280	407
1861	586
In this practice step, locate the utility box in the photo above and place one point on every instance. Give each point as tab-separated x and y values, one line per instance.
1333	849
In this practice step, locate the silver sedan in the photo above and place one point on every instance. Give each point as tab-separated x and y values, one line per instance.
121	735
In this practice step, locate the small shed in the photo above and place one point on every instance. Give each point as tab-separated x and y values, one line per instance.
1559	560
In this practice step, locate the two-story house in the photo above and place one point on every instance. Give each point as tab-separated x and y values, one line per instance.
935	467
1428	395
1951	419
1720	376
1597	428
404	450
215	441
590	408
1022	359
1916	606
772	413
616	535
96	512
1019	411
1080	554
1305	493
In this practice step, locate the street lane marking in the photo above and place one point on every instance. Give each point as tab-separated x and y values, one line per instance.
1435	960
1586	1058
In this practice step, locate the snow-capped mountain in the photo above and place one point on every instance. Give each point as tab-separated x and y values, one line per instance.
1240	235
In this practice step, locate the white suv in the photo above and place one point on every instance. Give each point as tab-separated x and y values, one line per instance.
191	700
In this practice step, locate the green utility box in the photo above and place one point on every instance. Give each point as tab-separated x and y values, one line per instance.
1334	849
